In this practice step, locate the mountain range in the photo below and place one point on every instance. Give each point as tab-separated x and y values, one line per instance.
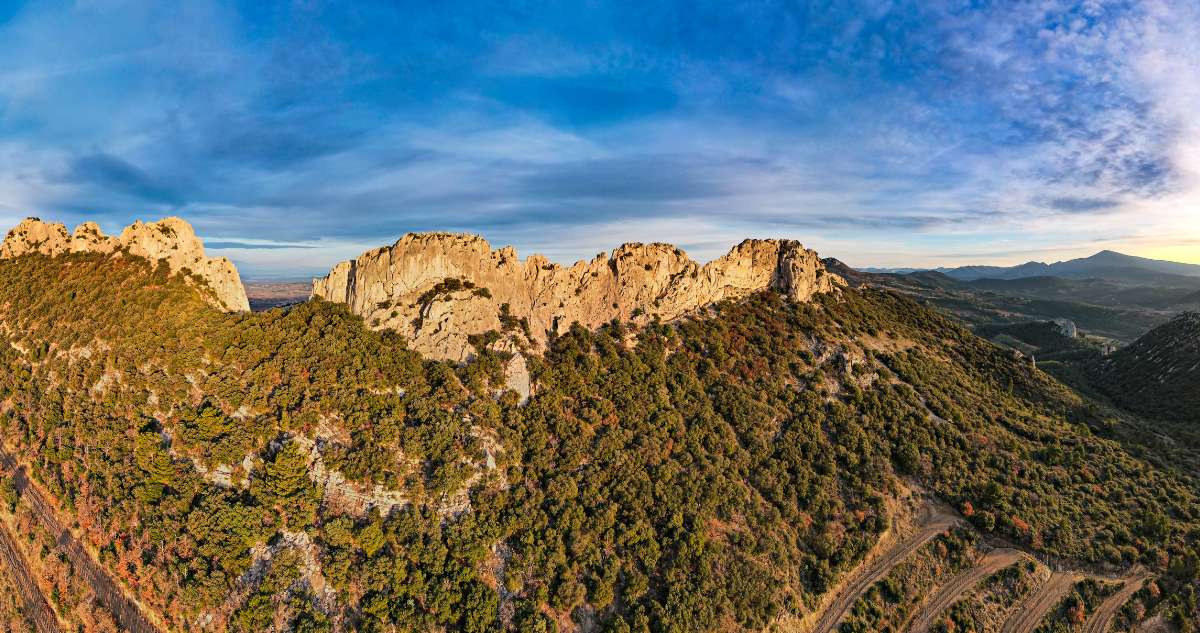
1106	264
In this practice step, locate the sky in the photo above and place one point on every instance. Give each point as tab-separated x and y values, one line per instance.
885	133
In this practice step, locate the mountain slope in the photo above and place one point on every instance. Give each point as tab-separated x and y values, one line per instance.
1190	300
1159	374
293	469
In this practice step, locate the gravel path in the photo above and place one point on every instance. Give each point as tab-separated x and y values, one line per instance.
1030	613
37	610
948	593
876	570
1102	617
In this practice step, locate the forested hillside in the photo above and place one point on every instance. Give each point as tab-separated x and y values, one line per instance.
293	470
1159	374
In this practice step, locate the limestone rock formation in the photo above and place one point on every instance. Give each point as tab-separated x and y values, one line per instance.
170	240
437	289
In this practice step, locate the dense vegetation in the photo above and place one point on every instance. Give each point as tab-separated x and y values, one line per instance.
1159	374
714	473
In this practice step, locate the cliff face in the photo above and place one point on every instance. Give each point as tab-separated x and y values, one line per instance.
170	240
439	288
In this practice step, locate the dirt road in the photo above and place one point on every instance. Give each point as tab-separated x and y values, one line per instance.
1099	620
875	570
107	591
1030	613
37	610
945	595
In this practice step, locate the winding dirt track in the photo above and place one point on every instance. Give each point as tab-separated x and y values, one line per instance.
874	571
945	595
37	610
1030	613
107	591
1102	617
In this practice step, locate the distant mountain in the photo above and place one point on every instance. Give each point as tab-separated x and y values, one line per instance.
895	271
1102	265
893	278
1039	283
1121	310
1158	375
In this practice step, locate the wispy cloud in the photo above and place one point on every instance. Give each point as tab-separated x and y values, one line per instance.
260	246
888	132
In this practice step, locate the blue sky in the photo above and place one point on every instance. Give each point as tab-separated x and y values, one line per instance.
296	134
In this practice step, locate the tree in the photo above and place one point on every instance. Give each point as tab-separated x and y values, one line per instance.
286	487
8	494
151	458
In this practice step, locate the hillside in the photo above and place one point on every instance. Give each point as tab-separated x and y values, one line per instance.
1190	300
1159	374
294	470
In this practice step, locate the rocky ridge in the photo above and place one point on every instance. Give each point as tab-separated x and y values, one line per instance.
171	240
438	289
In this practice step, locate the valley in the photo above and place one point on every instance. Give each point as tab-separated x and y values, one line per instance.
1108	313
264	295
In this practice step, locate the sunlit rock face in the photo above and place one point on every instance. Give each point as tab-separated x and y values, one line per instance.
437	289
170	240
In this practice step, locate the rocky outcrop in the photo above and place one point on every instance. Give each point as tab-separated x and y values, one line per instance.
439	288
169	240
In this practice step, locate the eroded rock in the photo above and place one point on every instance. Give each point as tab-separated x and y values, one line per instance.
170	240
438	289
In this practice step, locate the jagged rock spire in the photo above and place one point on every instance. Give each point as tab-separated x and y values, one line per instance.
405	286
171	240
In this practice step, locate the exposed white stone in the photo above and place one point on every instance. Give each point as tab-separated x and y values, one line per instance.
392	286
170	240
